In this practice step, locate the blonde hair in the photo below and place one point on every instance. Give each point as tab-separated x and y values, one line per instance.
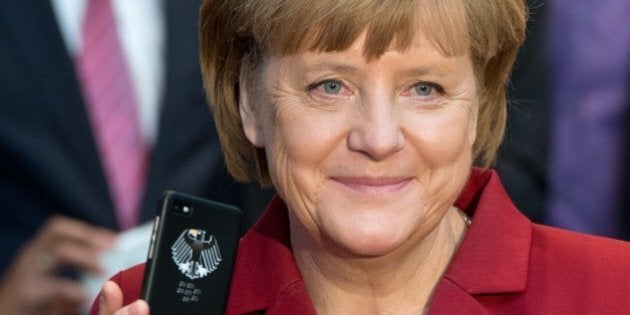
236	32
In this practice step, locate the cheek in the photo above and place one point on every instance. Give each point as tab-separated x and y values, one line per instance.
442	139
301	139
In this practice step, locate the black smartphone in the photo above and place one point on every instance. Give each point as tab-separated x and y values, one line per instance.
191	256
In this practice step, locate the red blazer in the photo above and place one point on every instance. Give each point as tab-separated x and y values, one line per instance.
505	264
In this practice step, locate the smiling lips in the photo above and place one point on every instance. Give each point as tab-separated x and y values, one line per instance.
374	185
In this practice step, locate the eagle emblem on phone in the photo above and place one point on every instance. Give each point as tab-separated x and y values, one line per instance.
196	253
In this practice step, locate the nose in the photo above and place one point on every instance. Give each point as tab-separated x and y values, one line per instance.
377	130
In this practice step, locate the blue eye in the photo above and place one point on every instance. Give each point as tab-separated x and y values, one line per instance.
331	87
423	89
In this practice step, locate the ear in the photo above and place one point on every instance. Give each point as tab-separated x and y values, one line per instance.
250	117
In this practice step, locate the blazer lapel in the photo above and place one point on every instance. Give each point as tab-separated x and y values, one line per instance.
172	103
494	255
453	299
186	155
50	70
493	258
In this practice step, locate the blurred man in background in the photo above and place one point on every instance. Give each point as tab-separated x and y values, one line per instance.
565	159
101	109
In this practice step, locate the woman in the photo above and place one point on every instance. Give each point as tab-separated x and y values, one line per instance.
367	116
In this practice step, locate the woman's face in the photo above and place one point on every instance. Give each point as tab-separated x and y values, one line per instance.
368	155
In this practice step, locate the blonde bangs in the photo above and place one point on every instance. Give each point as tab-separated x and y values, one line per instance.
334	25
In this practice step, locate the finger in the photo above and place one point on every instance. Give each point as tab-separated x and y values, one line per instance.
64	229
63	253
43	294
63	289
81	256
139	307
67	290
110	299
62	308
65	241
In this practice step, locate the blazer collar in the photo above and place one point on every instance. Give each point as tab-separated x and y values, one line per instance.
494	255
266	276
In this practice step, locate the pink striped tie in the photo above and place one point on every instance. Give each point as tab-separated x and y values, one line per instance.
112	111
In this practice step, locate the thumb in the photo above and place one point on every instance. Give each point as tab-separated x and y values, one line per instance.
110	299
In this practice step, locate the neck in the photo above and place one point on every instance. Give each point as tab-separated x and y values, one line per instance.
401	281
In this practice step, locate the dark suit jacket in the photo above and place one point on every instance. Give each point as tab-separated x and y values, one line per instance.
48	160
523	157
504	265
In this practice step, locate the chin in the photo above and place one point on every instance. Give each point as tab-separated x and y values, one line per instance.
376	248
362	240
371	228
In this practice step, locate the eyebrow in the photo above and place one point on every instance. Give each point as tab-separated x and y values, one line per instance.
336	67
437	69
418	71
342	68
